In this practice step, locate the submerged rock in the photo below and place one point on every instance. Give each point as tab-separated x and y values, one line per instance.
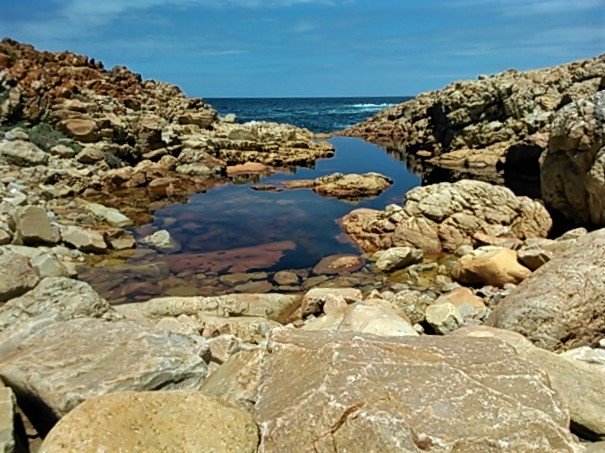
162	241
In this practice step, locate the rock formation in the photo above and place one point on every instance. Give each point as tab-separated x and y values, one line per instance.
474	126
443	217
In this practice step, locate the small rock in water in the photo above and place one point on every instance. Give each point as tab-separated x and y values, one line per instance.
338	264
162	242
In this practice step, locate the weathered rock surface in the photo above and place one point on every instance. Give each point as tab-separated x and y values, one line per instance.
84	239
561	305
54	299
162	241
314	392
473	126
349	187
494	266
444	317
446	216
23	154
54	366
34	227
338	264
12	437
581	385
184	421
363	317
275	307
573	167
397	258
17	276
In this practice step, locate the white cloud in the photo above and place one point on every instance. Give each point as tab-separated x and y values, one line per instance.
531	7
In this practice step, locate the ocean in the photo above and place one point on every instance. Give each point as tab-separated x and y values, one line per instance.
315	114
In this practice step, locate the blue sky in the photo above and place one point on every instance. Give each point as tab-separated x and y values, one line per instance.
256	48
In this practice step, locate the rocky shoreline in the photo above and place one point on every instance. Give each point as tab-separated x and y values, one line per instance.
482	334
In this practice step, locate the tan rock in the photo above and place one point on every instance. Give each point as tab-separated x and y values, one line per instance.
81	129
34	227
349	187
275	307
443	317
495	266
364	317
55	365
154	422
315	299
466	302
23	154
447	216
17	276
338	264
237	380
337	390
561	305
84	239
397	258
572	168
582	387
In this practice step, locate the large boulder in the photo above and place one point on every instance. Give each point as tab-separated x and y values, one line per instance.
561	305
573	167
495	266
358	392
446	216
185	421
61	343
54	366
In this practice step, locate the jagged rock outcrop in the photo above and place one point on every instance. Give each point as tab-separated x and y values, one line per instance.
472	126
126	132
447	215
573	166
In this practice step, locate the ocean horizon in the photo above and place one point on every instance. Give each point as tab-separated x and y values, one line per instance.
318	114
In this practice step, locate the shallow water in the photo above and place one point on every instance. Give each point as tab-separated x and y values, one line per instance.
234	228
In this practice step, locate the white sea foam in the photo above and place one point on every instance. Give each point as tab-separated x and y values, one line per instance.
372	106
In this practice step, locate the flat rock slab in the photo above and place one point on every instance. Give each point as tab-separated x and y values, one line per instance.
343	391
180	421
61	364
